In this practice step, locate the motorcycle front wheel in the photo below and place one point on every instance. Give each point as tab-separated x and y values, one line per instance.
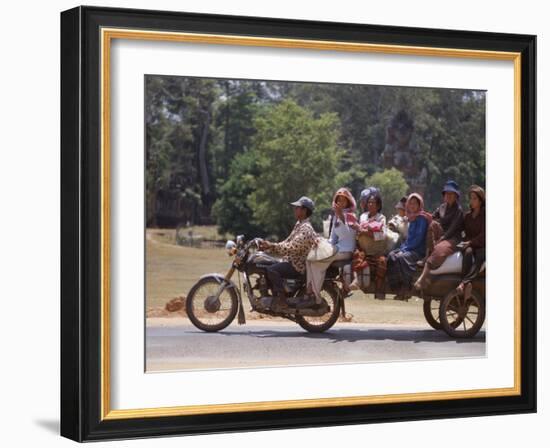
318	324
209	311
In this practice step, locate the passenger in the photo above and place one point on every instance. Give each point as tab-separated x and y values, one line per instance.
447	228
359	255
402	261
398	223
342	235
473	249
372	241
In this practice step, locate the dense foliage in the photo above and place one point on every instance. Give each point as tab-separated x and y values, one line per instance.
235	152
392	187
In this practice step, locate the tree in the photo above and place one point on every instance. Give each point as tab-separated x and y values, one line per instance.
450	130
158	150
238	105
179	132
283	163
296	155
392	187
197	127
232	211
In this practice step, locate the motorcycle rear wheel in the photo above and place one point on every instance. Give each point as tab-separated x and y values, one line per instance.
323	323
205	311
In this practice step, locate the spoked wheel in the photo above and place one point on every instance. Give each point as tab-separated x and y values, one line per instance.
462	318
431	313
318	324
208	310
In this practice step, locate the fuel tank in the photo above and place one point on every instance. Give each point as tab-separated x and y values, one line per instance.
261	259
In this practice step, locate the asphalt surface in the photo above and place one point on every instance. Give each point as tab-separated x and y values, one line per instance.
175	344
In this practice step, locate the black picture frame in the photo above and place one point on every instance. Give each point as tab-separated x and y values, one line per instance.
81	208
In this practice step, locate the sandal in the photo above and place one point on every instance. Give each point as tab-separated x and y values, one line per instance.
419	285
347	292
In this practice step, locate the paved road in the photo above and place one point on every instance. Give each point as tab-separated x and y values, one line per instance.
176	344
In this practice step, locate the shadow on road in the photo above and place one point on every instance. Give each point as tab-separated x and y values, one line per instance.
352	335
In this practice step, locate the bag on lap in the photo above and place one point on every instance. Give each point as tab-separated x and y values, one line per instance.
322	251
371	246
451	265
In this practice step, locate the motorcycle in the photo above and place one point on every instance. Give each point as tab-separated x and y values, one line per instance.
215	300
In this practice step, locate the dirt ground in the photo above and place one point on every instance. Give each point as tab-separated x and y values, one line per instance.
171	271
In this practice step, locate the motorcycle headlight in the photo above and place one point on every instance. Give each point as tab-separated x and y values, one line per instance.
231	247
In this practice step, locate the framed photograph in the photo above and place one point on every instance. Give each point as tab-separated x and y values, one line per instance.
273	223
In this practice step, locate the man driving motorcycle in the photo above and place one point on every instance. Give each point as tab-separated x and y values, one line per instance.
293	250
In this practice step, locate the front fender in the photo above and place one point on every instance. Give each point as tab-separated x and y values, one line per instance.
220	279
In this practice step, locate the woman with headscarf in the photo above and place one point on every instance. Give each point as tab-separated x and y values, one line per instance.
342	235
402	261
473	248
447	229
371	238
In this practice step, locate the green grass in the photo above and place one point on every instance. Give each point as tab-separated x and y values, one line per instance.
172	270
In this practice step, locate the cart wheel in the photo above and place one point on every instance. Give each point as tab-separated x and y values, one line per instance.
460	318
431	313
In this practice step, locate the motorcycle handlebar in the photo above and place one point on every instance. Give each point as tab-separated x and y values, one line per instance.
254	241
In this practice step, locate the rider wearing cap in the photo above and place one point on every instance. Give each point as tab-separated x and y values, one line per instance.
293	249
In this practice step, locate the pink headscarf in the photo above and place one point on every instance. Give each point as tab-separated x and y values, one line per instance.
347	194
412	216
349	211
